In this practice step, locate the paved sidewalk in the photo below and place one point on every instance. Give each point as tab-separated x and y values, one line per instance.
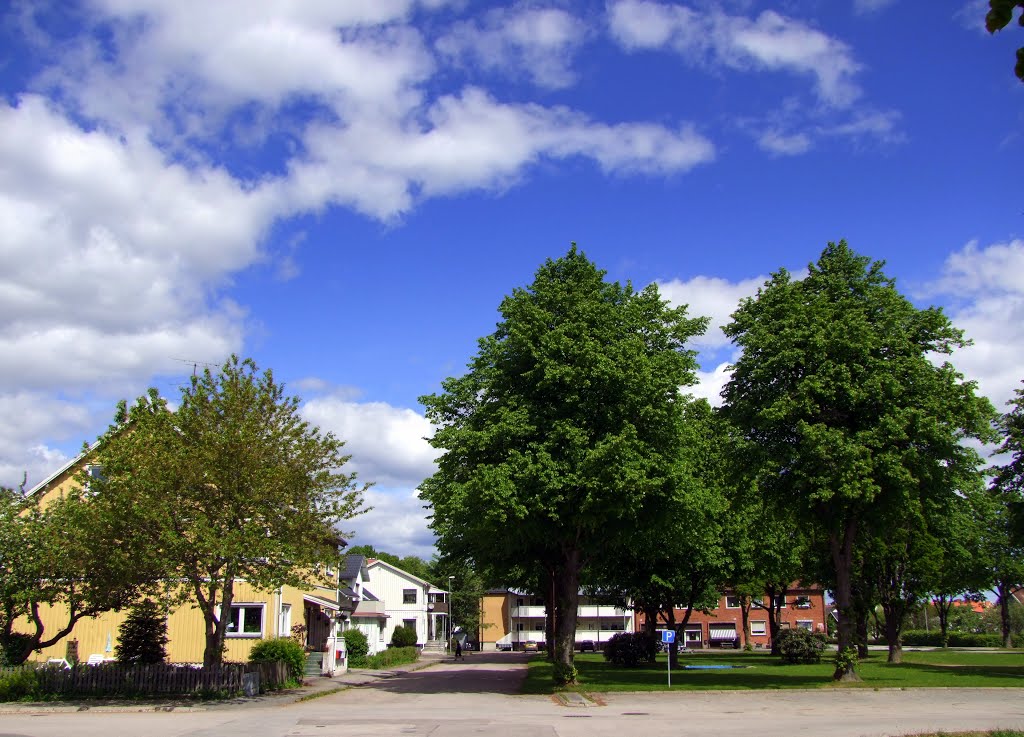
312	688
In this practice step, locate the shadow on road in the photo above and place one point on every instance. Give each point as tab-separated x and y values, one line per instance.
481	672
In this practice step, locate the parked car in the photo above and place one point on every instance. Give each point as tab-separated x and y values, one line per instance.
504	646
530	646
587	645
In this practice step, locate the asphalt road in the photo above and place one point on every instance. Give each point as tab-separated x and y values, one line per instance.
478	697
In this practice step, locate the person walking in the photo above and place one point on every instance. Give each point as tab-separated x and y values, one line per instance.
458	650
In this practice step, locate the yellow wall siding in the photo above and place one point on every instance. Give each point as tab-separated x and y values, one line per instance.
185	626
495	617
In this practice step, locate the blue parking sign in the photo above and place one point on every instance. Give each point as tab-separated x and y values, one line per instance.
668	636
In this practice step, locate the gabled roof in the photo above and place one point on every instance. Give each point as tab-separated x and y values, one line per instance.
42	485
351	567
377	562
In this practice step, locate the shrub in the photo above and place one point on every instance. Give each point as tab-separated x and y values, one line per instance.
564	675
15	648
357	646
801	646
393	656
403	637
281	650
142	638
630	648
16	685
933	638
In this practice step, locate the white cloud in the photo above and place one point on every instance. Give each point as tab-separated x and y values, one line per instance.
397	524
784	144
864	7
710	384
988	305
386	443
710	297
537	42
770	42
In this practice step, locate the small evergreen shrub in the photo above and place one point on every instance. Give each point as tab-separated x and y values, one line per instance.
142	638
630	649
403	637
801	646
281	650
357	647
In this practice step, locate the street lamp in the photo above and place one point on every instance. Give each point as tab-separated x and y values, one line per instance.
451	630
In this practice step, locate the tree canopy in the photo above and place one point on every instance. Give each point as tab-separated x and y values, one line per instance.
564	430
999	15
233	484
844	408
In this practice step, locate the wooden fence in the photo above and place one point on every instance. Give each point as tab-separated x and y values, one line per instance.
117	680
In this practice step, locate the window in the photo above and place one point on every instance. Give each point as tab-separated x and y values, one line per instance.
520	627
805	624
284	622
732	602
802	602
93	472
758	628
409	624
539	626
408	596
779	601
245	620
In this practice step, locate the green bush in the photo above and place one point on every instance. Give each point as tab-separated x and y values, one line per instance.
142	638
16	685
281	650
630	648
933	638
15	648
801	646
403	637
393	656
357	647
564	675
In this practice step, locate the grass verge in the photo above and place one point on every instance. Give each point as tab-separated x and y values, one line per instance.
932	669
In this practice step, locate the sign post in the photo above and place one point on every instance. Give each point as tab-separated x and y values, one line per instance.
668	637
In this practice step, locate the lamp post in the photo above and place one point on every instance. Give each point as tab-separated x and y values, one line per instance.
451	604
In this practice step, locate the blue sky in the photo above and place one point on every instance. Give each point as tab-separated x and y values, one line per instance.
346	190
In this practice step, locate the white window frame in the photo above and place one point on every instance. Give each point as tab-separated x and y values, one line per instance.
732	606
237	618
754	624
805	624
284	620
775	600
405	596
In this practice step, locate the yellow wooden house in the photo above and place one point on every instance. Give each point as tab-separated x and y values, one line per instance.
323	610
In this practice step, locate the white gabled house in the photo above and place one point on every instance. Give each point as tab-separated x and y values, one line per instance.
408	600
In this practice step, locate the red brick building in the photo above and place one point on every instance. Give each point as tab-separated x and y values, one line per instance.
803	606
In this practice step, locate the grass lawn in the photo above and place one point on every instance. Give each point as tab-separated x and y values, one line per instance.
938	668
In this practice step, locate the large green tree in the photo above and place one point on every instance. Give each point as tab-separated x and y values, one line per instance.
231	485
564	432
1005	513
844	406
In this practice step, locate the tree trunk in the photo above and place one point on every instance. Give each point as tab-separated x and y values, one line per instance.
216	627
894	634
1004	615
841	547
745	617
942	606
567	593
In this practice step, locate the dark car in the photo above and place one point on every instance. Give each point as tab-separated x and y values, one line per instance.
586	645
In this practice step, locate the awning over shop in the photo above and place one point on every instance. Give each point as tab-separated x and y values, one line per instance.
722	631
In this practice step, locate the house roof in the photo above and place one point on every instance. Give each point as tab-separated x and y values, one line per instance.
352	565
42	485
377	562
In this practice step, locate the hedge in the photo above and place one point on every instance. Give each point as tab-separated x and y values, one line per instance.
933	638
